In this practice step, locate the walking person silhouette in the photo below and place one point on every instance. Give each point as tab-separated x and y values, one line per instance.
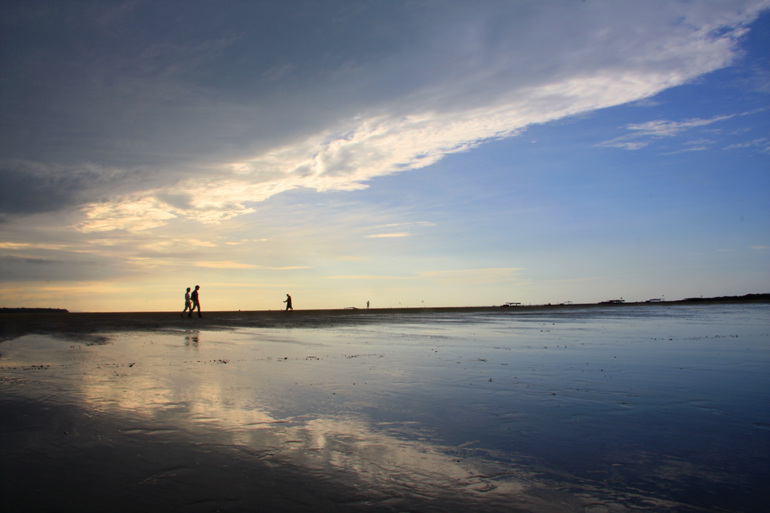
288	303
187	304
195	302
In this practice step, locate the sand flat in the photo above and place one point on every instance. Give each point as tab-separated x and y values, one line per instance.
647	408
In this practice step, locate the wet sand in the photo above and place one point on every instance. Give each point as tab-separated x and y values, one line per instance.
639	408
13	325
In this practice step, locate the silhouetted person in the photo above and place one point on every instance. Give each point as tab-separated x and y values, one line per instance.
288	303
367	305
187	304
195	302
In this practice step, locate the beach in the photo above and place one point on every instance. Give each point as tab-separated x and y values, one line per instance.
576	409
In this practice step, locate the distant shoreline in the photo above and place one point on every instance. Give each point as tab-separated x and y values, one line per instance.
719	299
15	323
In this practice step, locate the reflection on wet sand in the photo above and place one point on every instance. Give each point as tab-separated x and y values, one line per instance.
543	415
386	458
191	339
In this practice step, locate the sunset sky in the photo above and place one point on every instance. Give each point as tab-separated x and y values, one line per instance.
423	153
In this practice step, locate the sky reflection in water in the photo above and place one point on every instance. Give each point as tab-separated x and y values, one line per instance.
649	408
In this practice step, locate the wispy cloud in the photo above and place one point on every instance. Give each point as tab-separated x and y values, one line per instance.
407	224
230	264
664	128
387	231
388	235
224	264
643	134
30	245
762	144
28	260
368	277
244	241
148	263
126	213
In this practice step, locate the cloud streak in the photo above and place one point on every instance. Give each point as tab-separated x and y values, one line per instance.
394	235
643	134
442	83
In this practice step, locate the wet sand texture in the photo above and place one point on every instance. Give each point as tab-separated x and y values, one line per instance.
582	409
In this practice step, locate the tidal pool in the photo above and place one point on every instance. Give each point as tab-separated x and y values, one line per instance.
648	408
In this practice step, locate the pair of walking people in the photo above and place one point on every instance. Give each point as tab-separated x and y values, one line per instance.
191	302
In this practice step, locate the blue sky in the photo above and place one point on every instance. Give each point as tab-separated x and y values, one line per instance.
430	153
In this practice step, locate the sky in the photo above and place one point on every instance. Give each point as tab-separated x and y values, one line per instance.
406	153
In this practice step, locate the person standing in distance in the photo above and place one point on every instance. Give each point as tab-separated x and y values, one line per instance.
288	303
195	302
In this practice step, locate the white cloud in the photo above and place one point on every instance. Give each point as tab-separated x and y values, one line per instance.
453	80
134	213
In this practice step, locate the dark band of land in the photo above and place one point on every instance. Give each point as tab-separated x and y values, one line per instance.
17	322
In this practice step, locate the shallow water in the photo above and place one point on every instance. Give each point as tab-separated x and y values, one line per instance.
654	408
